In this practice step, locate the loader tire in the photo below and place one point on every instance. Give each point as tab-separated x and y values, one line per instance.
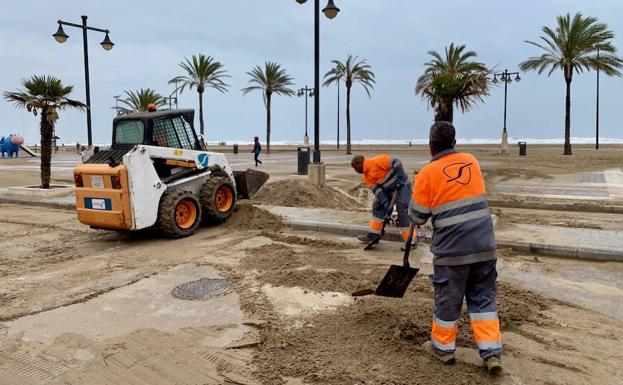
218	199
179	214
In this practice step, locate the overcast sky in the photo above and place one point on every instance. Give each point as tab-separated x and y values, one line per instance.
152	37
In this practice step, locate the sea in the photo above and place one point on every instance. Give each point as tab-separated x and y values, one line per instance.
511	140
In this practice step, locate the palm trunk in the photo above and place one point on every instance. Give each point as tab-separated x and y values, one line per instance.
348	145
268	123
444	113
47	132
567	150
201	113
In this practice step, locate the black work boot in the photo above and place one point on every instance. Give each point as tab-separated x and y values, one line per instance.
493	365
446	359
367	237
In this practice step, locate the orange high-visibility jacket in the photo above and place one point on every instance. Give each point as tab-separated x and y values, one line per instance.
375	169
451	190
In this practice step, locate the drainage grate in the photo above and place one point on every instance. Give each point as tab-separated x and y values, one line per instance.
39	368
201	289
597	177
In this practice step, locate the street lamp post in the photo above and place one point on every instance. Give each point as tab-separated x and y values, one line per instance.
330	12
505	77
171	99
107	44
117	97
597	110
306	91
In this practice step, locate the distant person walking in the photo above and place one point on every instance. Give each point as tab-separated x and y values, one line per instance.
257	149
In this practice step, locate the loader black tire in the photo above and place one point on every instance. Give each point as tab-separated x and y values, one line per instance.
218	199
179	214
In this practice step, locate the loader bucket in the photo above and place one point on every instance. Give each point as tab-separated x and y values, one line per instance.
248	182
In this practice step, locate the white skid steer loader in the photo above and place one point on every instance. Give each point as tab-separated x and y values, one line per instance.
158	174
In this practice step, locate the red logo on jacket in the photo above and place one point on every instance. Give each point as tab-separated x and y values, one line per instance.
460	173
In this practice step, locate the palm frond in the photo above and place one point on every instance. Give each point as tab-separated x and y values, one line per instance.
351	71
572	46
272	79
453	79
43	92
140	100
201	72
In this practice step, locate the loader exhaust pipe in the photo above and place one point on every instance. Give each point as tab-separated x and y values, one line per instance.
249	182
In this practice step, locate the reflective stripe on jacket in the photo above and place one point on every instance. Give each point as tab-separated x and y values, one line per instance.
451	190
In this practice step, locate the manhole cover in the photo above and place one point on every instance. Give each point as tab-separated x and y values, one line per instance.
201	289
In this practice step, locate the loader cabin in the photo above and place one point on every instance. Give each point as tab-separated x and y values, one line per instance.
166	128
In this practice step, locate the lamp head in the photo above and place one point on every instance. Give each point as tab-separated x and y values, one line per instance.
60	35
107	44
330	11
301	1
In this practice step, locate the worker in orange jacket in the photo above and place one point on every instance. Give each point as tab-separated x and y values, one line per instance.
451	191
385	175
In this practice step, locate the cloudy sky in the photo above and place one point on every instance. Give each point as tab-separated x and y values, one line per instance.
152	37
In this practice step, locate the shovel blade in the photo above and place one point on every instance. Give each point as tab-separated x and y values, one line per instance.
396	281
248	182
371	244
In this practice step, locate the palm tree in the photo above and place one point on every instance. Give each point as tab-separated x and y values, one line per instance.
351	71
572	47
45	95
271	80
453	80
137	101
201	72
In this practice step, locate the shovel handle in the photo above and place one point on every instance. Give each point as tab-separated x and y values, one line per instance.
388	214
405	259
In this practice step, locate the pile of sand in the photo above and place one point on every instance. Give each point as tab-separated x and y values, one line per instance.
371	331
248	217
376	330
317	269
301	193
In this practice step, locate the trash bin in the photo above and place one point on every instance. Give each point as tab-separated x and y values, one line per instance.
522	148
303	160
235	148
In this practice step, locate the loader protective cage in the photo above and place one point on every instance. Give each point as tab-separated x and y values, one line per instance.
166	128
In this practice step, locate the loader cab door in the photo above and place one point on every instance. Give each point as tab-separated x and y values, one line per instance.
173	132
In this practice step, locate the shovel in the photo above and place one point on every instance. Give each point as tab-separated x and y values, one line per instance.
397	278
386	220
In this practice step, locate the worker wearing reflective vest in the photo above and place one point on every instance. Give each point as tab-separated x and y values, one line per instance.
451	191
384	175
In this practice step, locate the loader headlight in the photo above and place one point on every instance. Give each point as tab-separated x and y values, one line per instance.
115	181
78	180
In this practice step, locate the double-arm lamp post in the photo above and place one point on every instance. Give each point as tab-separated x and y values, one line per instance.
107	44
506	78
330	12
171	99
306	91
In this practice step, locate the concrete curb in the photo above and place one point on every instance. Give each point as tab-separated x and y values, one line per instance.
582	207
392	234
30	202
587	253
